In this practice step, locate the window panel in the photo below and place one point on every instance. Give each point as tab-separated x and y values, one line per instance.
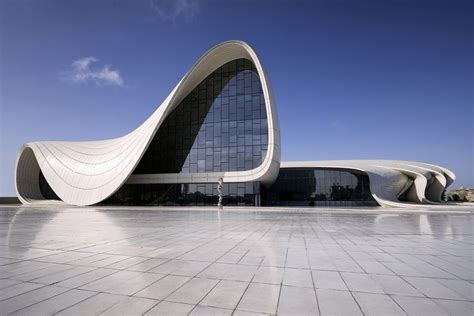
319	187
226	110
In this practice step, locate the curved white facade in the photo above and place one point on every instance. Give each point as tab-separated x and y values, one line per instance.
85	173
421	182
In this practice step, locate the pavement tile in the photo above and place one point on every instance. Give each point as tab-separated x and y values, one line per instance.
233	272
332	302
4	261
130	306
29	298
181	267
461	287
297	301
247	262
226	294
51	269
23	253
126	263
170	308
193	291
211	311
392	284
93	305
17	289
86	278
433	289
374	267
123	282
329	280
164	287
458	308
147	265
401	268
56	303
261	298
377	304
62	275
419	306
297	258
247	313
270	275
4	283
66	256
298	277
233	256
361	282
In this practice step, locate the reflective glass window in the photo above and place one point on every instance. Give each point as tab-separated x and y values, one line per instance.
185	194
225	113
319	187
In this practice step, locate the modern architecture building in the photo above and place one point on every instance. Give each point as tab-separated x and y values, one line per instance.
220	123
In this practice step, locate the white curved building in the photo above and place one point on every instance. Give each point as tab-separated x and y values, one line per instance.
391	183
219	122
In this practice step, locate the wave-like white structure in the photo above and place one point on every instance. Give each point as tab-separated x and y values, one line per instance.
419	183
86	173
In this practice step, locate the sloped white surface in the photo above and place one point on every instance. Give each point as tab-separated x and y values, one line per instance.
85	173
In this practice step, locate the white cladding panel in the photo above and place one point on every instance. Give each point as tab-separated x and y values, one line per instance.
85	173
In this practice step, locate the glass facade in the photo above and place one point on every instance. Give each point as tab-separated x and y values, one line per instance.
185	194
293	187
319	187
220	126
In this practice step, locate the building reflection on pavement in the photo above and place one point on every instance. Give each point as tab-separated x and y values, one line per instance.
140	260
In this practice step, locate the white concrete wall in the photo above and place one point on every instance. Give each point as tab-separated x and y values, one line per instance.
85	173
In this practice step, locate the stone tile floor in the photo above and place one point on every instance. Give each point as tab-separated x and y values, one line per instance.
123	261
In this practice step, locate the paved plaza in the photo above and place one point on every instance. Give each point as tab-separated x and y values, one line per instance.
153	261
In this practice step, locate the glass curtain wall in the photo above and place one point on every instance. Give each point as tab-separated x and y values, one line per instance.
319	187
185	194
220	126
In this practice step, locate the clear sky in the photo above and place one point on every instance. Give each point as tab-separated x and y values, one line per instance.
352	79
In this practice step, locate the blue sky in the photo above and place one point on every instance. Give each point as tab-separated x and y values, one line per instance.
352	79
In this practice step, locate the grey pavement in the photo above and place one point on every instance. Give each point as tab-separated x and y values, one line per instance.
200	261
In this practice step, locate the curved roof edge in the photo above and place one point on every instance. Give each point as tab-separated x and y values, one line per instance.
389	178
86	173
